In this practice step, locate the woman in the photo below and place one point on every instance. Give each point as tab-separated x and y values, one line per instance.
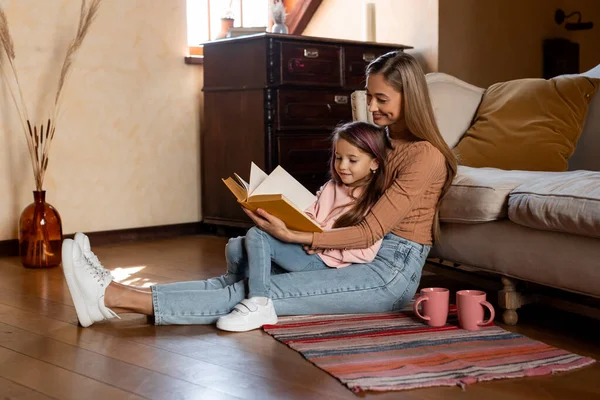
421	167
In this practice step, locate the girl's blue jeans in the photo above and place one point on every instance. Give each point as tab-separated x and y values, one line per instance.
387	283
261	250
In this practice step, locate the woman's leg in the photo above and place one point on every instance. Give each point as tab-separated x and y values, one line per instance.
237	270
126	299
262	249
386	284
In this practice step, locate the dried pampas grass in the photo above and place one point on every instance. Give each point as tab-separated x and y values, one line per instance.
38	141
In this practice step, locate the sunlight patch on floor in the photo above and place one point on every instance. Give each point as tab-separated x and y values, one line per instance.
126	276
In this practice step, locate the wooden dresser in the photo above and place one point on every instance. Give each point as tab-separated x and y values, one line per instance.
274	99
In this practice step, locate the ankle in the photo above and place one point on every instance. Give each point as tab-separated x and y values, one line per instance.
111	296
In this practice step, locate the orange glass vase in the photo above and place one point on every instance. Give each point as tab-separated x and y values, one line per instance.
40	234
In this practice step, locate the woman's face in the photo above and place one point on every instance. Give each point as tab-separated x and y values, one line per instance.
384	101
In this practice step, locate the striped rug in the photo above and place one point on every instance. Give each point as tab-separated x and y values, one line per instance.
395	351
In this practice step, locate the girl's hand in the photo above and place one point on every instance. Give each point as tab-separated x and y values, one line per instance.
270	224
276	227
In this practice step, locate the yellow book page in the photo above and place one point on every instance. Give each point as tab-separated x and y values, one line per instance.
281	208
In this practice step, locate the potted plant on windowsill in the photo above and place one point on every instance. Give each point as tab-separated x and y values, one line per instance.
227	21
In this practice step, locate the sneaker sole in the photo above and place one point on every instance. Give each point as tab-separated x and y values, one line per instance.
243	328
68	271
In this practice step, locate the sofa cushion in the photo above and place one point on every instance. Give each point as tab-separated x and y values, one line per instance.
481	194
528	124
454	104
569	203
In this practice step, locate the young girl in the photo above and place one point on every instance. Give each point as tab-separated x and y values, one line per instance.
358	180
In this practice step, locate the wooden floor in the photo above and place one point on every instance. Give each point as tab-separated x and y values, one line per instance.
44	354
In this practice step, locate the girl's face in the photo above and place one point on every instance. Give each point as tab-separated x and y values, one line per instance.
384	101
352	164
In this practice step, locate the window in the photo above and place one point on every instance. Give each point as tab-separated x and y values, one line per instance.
204	17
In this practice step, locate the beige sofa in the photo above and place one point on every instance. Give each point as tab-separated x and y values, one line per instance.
539	227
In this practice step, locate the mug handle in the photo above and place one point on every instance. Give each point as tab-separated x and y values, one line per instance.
416	308
492	313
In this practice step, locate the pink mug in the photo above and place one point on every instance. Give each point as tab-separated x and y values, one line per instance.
470	309
435	306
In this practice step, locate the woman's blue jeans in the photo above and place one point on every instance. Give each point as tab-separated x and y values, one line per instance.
387	283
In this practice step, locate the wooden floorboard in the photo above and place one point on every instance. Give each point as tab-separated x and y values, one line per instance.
44	354
53	380
12	390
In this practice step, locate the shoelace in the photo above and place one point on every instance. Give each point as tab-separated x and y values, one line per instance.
99	271
93	259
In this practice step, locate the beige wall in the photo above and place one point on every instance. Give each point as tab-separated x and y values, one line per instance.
488	41
480	41
126	150
408	22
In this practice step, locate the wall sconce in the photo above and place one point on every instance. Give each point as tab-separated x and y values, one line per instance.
560	17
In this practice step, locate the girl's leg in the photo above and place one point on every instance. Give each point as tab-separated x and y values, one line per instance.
262	249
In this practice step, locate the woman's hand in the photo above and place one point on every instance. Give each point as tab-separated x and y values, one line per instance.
276	227
309	250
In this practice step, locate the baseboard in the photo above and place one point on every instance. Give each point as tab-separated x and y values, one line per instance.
10	248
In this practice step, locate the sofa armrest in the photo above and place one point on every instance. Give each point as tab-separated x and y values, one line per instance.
360	109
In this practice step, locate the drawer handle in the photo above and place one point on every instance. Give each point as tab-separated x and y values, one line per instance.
340	99
311	53
368	57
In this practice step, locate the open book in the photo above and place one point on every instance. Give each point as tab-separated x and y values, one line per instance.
278	193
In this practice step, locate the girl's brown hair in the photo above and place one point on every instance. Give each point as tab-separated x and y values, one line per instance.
403	72
372	140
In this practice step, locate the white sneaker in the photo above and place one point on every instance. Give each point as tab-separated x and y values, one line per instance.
84	244
87	285
248	315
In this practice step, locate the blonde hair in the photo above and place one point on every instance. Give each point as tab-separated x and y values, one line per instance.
402	72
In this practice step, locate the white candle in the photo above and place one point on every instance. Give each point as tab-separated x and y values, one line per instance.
369	25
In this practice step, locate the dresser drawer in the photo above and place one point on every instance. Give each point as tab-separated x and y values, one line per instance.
356	59
306	157
304	153
308	63
316	109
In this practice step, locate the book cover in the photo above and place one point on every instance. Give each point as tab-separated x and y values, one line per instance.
278	193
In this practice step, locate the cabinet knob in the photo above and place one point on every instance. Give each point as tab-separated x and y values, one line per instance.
340	99
311	53
368	57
